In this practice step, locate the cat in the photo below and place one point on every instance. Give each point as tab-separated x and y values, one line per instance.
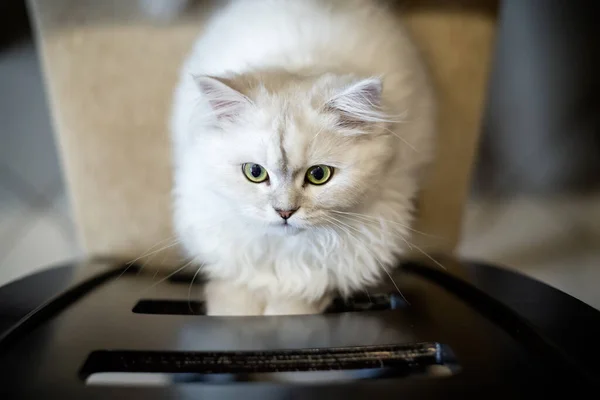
301	132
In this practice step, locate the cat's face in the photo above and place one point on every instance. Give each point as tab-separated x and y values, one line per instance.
284	163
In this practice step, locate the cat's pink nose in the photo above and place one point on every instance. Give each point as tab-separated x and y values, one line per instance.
285	214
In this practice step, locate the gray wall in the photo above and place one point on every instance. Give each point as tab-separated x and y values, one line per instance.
542	128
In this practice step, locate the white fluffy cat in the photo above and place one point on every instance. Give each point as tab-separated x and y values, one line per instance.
300	131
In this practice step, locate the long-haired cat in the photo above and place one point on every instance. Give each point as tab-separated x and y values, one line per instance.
301	129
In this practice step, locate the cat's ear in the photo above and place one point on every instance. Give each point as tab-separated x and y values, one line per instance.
226	102
358	105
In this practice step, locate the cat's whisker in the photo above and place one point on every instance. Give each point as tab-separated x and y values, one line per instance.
401	237
375	258
318	133
366	222
336	223
357	230
430	257
396	286
398	235
368	296
151	255
132	262
190	288
162	262
402	139
145	254
379	220
409	244
348	226
168	276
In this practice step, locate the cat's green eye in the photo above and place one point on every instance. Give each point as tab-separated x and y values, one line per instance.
255	173
319	174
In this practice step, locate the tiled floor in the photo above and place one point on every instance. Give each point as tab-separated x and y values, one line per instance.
556	240
35	225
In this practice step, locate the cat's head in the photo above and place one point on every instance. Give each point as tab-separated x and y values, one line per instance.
284	150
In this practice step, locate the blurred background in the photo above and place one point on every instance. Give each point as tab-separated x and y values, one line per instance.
535	204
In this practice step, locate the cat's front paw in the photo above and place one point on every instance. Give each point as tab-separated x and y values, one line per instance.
225	299
295	306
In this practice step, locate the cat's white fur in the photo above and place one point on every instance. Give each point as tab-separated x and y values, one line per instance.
289	84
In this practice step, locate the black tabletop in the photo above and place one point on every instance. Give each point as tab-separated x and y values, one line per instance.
469	330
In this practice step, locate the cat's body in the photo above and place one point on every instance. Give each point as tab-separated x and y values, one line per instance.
287	85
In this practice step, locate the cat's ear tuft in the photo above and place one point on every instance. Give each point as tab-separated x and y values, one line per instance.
226	102
359	105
